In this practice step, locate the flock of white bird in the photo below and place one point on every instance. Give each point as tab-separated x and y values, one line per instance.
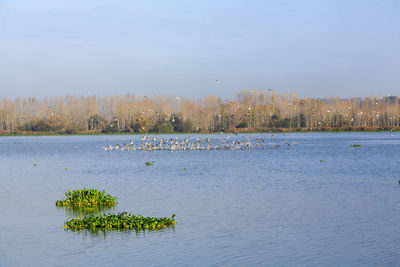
227	142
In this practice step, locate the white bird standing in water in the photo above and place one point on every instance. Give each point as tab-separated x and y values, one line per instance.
199	143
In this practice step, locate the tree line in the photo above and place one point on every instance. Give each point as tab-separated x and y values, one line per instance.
252	110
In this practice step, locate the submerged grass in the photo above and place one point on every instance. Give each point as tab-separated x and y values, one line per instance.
86	198
119	221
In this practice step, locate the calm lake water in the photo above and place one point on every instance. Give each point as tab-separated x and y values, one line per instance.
276	207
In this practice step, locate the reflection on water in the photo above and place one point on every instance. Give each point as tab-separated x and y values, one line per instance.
74	212
104	234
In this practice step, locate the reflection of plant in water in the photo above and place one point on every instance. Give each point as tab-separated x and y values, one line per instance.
86	198
73	212
103	234
119	221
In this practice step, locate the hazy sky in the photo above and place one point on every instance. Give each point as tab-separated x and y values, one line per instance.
314	48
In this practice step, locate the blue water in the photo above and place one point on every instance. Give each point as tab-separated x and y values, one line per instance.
276	207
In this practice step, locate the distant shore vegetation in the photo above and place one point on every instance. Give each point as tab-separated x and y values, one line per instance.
251	111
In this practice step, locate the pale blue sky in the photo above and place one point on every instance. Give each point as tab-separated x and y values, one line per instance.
313	48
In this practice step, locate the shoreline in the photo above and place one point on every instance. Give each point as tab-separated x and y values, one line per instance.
276	131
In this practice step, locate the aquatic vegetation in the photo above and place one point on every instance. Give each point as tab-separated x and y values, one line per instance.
35	165
86	197
355	145
322	161
88	201
119	221
149	163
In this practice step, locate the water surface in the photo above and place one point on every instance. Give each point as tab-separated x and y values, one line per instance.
278	207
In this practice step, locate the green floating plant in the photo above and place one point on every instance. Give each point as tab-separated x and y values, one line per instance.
86	198
119	221
355	145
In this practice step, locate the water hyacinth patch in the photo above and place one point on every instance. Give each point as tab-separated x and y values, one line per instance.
119	221
86	198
